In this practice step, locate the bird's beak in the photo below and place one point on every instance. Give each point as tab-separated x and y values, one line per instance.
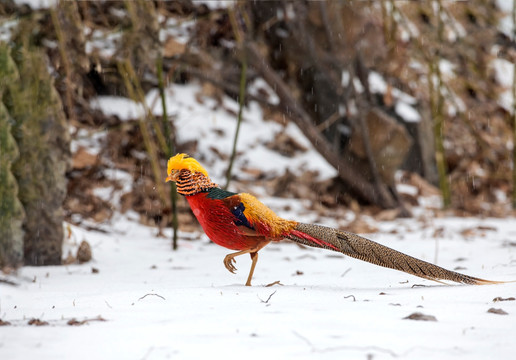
172	176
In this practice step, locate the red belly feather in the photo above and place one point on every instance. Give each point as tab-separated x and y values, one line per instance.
217	222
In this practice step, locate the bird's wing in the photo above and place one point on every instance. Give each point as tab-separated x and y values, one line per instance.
251	215
239	211
263	219
235	205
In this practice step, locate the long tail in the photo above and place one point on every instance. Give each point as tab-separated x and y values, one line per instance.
370	251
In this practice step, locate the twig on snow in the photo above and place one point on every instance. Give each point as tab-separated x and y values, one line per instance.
418	285
150	294
345	272
8	282
267	301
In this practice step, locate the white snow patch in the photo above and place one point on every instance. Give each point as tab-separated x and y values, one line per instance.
359	88
101	42
447	69
6	28
345	78
407	189
104	193
258	86
505	23
504	71
217	4
123	108
122	177
91	140
431	202
407	112
215	126
177	29
37	4
377	84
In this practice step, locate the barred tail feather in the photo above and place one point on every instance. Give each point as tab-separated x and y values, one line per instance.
374	253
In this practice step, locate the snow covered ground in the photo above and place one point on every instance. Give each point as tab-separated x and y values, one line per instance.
137	299
160	304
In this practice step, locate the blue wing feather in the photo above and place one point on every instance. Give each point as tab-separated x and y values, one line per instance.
240	220
234	204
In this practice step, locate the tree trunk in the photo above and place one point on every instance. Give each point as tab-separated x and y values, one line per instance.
41	132
11	210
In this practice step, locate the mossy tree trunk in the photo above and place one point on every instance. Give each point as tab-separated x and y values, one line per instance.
11	210
41	132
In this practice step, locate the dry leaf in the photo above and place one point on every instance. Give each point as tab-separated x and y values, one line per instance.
172	47
498	298
83	159
37	322
420	316
497	311
424	187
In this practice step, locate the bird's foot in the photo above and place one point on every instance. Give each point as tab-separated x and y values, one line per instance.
228	263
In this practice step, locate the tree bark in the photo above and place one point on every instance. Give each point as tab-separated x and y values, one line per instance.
11	209
41	132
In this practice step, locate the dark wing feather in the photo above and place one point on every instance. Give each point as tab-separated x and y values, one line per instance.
241	220
217	193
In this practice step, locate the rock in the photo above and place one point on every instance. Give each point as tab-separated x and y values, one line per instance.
390	143
84	252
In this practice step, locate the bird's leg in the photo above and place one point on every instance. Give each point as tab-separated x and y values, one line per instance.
230	259
254	258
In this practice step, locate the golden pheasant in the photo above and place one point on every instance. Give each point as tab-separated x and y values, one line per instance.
241	222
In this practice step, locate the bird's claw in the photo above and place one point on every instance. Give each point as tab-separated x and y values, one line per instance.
228	263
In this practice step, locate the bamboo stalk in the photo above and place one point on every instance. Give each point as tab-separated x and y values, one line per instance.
385	24
438	105
132	84
66	63
140	97
241	96
170	150
393	23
